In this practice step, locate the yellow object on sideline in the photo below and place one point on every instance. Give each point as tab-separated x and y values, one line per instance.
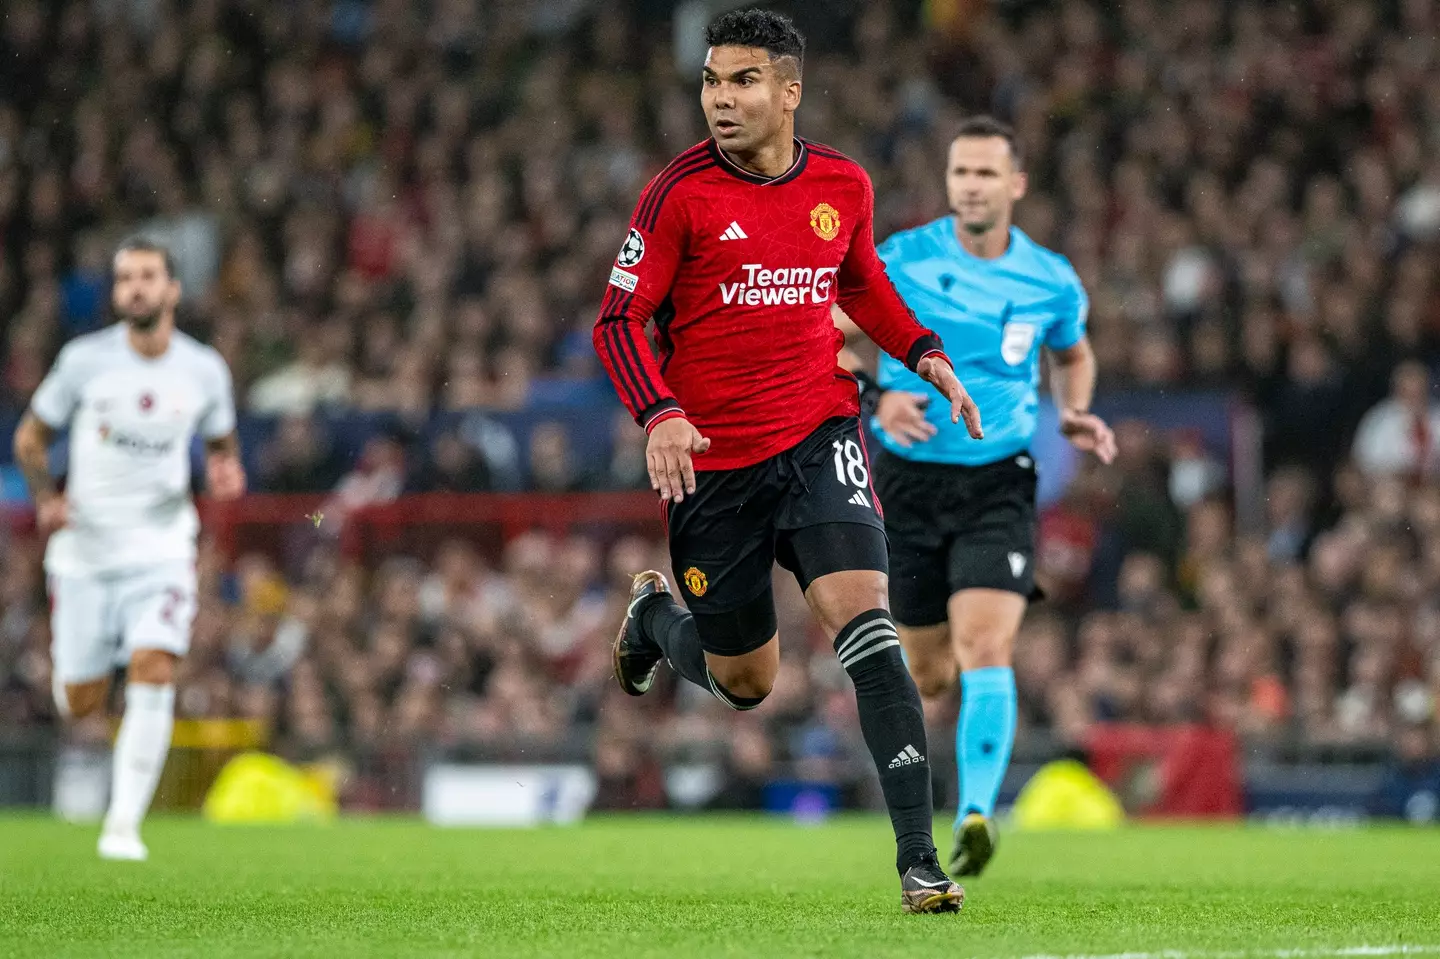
1066	795
260	788
219	734
211	733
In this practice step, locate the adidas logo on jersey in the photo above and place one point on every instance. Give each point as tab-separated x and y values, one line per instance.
859	499
733	232
907	757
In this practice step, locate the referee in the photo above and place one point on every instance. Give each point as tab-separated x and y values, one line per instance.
959	512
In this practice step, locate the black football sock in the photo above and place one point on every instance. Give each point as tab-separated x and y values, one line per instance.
893	723
672	627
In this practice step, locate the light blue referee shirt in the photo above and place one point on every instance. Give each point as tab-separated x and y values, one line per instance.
993	316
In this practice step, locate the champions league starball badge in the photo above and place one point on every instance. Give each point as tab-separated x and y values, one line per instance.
632	251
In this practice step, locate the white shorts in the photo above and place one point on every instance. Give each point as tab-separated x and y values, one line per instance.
98	621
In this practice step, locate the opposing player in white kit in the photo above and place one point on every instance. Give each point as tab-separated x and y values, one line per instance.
121	559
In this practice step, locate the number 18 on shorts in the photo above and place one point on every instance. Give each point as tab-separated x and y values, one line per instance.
852	470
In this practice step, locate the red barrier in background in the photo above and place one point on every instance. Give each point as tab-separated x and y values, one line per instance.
264	520
419	521
1186	771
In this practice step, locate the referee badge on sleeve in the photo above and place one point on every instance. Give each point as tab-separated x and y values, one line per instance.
1016	342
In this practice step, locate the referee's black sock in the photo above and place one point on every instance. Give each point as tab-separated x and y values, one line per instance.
894	726
672	627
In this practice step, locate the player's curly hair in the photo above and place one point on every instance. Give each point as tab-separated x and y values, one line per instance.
774	32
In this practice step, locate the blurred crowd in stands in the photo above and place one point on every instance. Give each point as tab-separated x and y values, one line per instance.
381	205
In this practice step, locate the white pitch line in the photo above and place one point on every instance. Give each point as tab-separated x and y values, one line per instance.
1358	951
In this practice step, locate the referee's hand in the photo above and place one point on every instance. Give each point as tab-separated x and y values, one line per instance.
667	455
1086	431
936	371
902	417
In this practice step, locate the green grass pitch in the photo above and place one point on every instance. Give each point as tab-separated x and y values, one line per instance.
626	888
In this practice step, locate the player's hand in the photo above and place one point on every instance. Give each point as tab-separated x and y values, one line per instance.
1088	432
52	511
937	372
668	457
224	476
902	417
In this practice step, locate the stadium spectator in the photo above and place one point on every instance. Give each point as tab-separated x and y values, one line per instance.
748	767
379	476
552	462
299	458
1411	789
1186	225
1401	435
453	466
300	386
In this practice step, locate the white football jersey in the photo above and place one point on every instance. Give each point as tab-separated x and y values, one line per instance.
131	421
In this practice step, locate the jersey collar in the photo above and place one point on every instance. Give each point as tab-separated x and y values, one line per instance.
802	156
953	240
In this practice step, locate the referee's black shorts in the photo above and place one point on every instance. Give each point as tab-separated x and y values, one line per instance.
953	528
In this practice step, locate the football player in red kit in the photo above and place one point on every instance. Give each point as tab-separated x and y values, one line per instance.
736	251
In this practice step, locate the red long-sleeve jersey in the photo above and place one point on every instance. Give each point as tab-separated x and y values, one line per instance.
739	272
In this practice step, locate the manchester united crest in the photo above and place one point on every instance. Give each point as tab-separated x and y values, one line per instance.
825	221
696	582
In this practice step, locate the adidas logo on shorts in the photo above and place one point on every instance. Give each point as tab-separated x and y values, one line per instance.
907	757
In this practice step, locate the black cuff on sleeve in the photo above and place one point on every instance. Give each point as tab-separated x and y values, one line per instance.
929	343
652	414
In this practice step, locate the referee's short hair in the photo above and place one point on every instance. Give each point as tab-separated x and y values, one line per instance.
985	126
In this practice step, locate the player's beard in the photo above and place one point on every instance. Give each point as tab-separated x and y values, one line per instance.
978	227
146	321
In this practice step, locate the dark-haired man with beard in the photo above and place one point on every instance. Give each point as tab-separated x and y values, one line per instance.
120	562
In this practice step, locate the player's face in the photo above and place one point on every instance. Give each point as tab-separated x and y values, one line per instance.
144	290
746	97
982	182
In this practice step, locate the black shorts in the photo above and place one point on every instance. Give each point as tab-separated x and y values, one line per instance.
954	528
812	508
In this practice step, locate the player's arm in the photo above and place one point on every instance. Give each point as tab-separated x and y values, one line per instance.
640	280
869	298
54	404
224	473
32	454
1072	383
1072	377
